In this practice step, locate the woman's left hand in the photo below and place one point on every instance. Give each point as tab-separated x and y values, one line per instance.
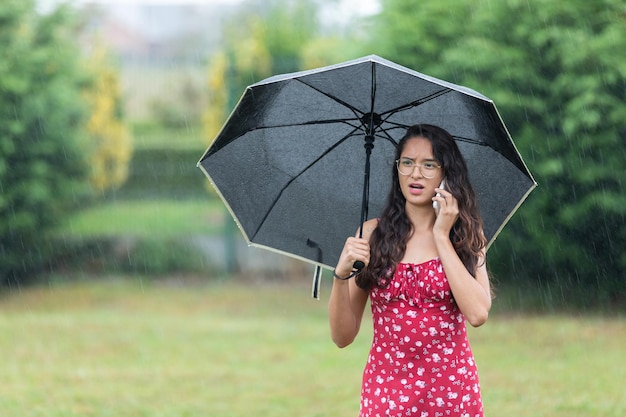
448	211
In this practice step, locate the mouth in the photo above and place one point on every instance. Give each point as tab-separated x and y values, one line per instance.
416	188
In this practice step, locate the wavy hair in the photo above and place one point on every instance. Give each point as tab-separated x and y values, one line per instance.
389	239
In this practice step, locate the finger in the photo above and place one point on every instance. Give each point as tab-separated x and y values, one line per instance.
356	251
447	195
440	199
356	242
442	193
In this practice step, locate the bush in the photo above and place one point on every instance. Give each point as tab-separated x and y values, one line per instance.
164	173
129	255
42	171
164	257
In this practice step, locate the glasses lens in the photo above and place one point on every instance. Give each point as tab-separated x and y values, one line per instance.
427	169
405	166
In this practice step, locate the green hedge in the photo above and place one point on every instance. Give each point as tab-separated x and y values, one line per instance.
163	173
130	255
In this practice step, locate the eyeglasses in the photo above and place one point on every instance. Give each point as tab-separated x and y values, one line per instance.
428	169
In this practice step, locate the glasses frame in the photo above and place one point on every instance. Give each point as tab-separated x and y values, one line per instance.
419	166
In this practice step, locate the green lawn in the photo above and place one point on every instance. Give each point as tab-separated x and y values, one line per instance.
148	218
133	347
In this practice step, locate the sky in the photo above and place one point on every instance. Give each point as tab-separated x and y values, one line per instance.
344	7
129	11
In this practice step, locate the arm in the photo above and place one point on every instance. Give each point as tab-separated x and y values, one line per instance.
347	301
345	311
471	293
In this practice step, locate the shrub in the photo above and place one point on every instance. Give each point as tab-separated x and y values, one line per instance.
41	169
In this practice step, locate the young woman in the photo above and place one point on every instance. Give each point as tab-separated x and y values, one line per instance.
425	275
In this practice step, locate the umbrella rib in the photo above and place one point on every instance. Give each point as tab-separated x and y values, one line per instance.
470	140
417	102
386	115
326	152
394	125
336	99
311	122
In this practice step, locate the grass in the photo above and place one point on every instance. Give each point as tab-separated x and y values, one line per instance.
147	218
134	347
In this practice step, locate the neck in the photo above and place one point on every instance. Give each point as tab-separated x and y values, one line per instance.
422	217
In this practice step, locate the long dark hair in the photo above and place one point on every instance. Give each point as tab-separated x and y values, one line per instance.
389	239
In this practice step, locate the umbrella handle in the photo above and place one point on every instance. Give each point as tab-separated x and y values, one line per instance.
358	265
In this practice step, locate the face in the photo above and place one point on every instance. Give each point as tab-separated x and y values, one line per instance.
417	188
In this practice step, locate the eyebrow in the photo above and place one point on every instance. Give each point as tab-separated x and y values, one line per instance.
425	160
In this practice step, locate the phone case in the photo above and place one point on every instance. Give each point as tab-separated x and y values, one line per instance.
436	203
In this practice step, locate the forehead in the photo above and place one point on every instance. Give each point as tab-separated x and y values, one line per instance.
417	148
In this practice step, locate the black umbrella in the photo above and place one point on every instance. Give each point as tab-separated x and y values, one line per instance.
293	161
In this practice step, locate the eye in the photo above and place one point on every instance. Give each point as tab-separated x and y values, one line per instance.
430	165
406	162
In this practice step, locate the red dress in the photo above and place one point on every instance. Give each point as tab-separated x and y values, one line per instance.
420	363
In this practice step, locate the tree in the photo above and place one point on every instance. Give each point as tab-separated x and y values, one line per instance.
269	37
42	171
557	74
109	146
261	39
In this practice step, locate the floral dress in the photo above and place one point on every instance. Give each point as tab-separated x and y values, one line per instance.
420	363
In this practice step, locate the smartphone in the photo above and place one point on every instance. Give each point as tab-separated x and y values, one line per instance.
436	203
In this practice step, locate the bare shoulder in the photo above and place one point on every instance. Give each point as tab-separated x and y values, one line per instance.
368	227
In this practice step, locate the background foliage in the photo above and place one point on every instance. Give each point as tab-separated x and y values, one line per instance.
61	131
109	143
556	72
557	75
41	113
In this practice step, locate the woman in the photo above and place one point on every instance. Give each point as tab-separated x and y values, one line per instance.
425	274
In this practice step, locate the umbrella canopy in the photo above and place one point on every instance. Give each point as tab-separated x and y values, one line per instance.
289	162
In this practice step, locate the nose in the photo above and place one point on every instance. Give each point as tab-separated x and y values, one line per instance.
417	172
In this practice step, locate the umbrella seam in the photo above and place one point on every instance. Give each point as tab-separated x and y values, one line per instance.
326	152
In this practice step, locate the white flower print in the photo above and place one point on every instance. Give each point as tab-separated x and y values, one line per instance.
420	363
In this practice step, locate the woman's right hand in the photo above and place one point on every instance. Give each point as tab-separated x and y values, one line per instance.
347	300
355	249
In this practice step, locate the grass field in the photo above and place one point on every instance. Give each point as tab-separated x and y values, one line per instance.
148	218
135	347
